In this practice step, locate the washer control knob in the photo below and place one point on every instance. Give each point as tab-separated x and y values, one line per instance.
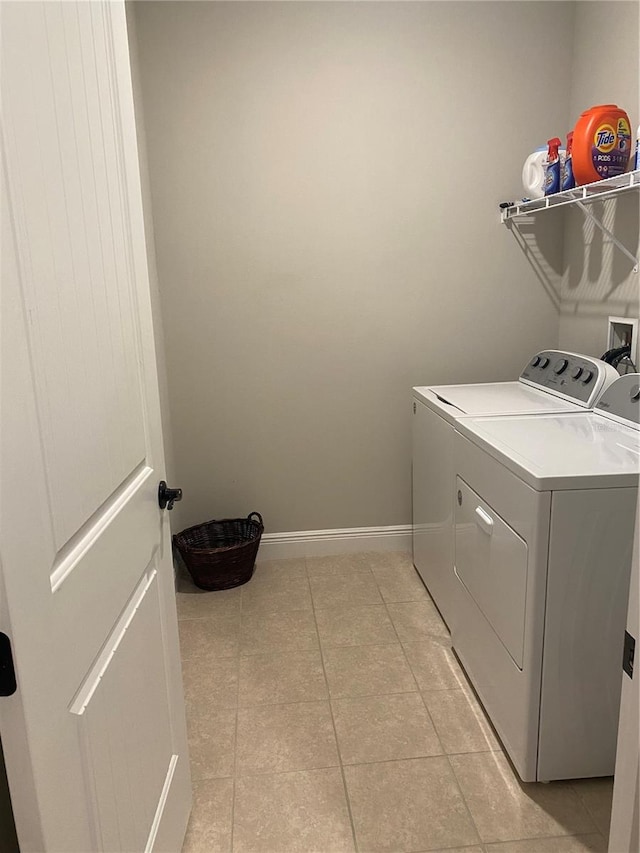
588	376
635	392
576	373
544	362
560	366
535	361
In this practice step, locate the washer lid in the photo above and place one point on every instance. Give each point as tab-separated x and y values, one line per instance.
571	451
491	398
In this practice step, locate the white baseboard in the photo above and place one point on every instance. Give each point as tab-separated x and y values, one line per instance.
320	543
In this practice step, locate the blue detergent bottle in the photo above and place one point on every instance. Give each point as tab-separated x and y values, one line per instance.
552	171
568	180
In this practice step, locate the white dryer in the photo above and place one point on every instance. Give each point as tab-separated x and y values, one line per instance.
544	520
552	381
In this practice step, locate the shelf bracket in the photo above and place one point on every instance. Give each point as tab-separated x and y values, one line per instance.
583	207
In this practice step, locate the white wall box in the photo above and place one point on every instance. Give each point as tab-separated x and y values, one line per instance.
624	331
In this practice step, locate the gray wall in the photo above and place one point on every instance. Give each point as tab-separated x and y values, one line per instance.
598	280
158	325
325	180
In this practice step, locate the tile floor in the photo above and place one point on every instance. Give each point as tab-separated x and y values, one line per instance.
327	713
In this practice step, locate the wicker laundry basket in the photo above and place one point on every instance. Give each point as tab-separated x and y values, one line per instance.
221	554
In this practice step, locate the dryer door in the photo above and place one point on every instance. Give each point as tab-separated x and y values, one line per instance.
491	561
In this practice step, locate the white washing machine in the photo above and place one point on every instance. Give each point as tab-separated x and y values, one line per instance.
544	521
552	381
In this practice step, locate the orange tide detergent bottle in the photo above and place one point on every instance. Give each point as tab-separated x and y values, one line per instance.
601	144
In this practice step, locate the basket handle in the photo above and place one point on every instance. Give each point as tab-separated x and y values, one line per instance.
259	517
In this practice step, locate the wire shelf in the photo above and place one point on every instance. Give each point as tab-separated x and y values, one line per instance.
581	197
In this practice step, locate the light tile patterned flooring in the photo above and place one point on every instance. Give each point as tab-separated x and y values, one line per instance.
327	713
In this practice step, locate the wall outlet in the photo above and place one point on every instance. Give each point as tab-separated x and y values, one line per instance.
622	331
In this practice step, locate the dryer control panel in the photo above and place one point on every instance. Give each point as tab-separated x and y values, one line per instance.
622	400
578	378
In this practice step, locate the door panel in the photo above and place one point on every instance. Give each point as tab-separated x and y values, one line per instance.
95	737
125	791
491	561
625	813
82	340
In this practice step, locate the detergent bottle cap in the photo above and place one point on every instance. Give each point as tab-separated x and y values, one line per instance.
597	107
569	142
554	144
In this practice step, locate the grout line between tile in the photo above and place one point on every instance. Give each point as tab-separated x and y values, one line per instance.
207	778
464	800
234	781
404	600
414	758
575	789
335	731
439	689
356	645
596	831
394	760
204	656
325	700
445	755
408	662
235	750
253	774
488	844
370	695
435	728
413	674
279	651
255	612
205	618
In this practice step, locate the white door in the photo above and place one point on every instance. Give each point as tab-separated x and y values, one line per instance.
94	736
625	815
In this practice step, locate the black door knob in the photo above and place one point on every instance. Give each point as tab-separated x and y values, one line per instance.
167	496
